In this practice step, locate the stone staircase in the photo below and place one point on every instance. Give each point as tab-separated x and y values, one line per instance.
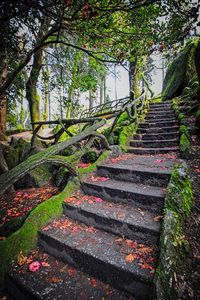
159	133
109	232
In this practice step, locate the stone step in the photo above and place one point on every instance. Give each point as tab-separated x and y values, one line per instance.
160	110
156	136
119	219
143	151
102	255
157	120
150	116
154	143
159	124
170	129
156	174
58	280
160	105
139	195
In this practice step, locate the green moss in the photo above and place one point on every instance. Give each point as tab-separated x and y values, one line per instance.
125	135
173	244
90	156
25	238
175	77
185	146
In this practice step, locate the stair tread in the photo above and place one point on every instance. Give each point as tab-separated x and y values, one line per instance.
59	281
144	164
130	187
122	213
100	245
155	141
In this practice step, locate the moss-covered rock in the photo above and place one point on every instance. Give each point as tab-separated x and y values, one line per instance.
185	146
89	157
181	71
173	244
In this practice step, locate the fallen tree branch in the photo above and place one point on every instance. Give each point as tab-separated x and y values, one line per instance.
9	178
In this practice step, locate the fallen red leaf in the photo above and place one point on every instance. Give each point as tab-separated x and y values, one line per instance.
131	257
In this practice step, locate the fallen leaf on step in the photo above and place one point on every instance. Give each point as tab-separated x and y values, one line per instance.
158	218
131	257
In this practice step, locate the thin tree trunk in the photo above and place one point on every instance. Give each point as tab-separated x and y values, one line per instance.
31	87
101	90
91	98
72	85
133	80
104	89
45	72
3	76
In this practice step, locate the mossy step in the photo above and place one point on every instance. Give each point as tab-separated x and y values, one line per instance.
142	151
159	124
167	129
154	143
157	120
156	136
58	280
152	174
139	195
119	219
100	254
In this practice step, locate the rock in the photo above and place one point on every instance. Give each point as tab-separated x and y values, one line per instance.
90	156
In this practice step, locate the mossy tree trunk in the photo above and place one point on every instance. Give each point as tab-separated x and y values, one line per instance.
92	98
133	79
31	85
45	73
72	85
197	60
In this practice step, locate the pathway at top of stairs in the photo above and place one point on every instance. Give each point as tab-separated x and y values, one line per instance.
105	246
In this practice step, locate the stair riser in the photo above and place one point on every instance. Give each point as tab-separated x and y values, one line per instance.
155	179
19	291
151	151
159	124
142	235
151	144
158	130
149	202
160	136
95	267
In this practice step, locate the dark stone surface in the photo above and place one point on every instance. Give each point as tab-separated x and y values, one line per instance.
157	136
154	143
59	281
123	220
159	124
142	151
141	169
159	129
139	195
99	254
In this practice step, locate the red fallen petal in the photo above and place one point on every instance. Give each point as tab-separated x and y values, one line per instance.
34	266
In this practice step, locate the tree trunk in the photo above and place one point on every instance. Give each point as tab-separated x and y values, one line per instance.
72	85
104	89
3	76
92	98
31	87
133	79
45	72
101	90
